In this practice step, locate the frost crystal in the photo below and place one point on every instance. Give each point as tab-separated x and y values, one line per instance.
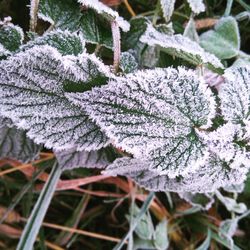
180	46
167	8
196	6
153	113
66	42
32	94
104	10
208	178
234	95
15	144
69	159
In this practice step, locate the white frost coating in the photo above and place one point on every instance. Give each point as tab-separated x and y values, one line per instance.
213	79
235	95
103	9
180	46
197	6
221	142
213	175
69	159
167	8
153	113
32	95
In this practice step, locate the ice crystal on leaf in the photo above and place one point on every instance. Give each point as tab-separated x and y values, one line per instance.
212	175
104	10
32	94
66	42
15	144
167	8
234	95
71	158
154	113
11	37
180	46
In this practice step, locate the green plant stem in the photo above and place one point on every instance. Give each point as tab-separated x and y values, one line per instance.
38	213
228	8
143	210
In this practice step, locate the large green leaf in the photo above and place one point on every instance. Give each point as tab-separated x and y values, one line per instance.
182	47
32	94
156	114
161	241
15	144
224	40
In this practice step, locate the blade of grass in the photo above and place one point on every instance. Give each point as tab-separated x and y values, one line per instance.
35	220
20	194
143	210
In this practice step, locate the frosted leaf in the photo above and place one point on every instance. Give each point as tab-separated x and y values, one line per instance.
161	240
167	8
231	204
128	63
153	113
208	178
203	201
234	95
66	42
11	37
180	46
224	40
69	159
241	62
104	10
15	144
227	230
32	87
63	14
221	142
197	6
190	31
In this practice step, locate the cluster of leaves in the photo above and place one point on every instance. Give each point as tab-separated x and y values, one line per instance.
183	128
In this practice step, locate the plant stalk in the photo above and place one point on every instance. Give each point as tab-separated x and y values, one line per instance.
34	4
116	35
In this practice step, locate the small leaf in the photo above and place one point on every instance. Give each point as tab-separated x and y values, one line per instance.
15	144
161	241
224	40
11	37
231	204
203	201
107	12
182	47
95	30
145	227
67	43
32	95
167	8
153	114
196	6
69	159
128	63
227	230
140	244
